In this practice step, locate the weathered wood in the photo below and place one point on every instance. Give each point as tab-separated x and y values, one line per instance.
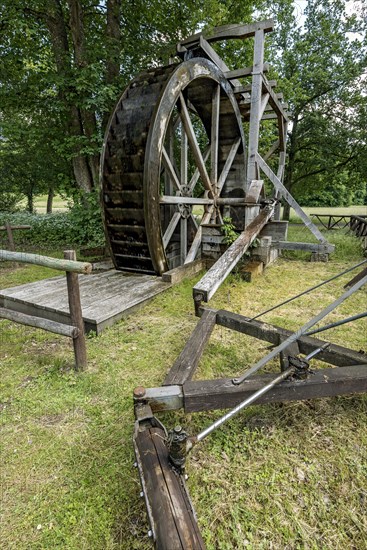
312	247
38	322
206	395
256	91
334	354
215	276
246	71
181	272
10	236
357	278
106	297
274	98
173	521
194	146
46	261
290	200
254	190
187	362
13	227
76	315
227	32
214	136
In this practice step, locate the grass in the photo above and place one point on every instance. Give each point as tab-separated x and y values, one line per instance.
289	476
58	204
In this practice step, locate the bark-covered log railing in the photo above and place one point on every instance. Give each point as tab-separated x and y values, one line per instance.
76	329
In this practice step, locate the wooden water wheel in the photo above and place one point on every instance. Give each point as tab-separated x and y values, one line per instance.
173	154
174	158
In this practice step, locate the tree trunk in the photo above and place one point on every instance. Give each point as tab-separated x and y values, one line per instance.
50	198
57	27
113	43
289	171
88	118
30	200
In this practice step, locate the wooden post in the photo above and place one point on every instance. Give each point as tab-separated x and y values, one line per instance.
76	316
10	236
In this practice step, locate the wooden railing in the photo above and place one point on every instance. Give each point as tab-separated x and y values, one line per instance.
358	225
76	329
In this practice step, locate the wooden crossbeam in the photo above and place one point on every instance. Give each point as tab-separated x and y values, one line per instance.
206	395
227	32
215	276
185	365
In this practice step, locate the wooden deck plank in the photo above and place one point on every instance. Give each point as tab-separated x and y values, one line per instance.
106	297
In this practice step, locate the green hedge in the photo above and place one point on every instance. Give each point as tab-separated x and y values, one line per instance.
81	226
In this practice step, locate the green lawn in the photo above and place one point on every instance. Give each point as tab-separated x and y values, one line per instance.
289	476
59	204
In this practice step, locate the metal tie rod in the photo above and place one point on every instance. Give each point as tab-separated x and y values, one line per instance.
300	332
337	323
308	290
285	374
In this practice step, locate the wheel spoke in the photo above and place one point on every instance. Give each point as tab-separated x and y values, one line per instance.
194	221
196	174
183	238
170	168
171	228
228	164
194	144
183	166
195	245
214	136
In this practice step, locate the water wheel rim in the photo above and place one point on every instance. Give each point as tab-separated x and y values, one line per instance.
172	94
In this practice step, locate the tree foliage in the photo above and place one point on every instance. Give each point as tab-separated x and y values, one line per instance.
65	62
322	62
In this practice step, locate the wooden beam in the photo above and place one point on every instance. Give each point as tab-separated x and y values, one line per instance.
290	200
13	227
76	315
256	94
246	71
206	395
169	508
334	354
181	272
215	276
187	362
312	247
228	32
171	228
38	322
46	261
274	98
194	146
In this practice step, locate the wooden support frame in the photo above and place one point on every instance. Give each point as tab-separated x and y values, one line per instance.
348	375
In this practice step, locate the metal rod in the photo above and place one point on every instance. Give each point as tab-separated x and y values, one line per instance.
308	290
337	323
316	351
300	331
244	404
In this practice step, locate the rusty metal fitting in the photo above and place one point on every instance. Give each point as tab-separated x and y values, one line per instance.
139	392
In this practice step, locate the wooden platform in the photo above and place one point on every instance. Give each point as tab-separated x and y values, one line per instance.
106	297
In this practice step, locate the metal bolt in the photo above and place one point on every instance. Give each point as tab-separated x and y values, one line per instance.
141	494
150	534
186	477
177	429
139	392
135	464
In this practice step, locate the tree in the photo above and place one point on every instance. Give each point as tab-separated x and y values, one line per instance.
322	64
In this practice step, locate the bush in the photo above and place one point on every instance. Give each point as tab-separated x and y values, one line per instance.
80	226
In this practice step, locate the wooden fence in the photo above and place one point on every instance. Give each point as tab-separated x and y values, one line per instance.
76	329
358	225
